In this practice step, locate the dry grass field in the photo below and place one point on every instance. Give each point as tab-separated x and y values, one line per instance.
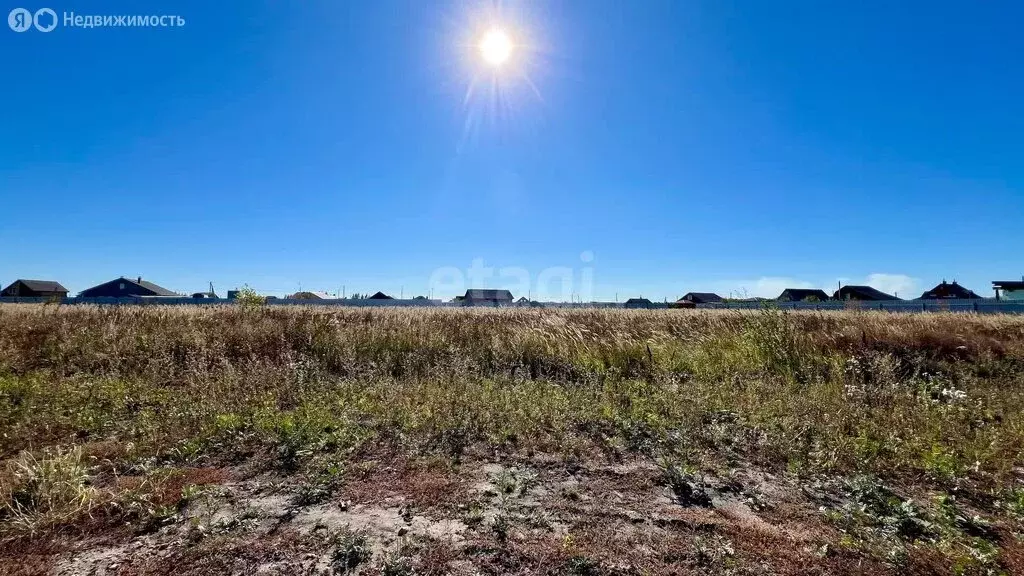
306	440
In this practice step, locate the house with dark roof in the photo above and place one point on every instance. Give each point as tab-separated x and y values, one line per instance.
1012	290
802	295
126	287
380	296
307	295
638	303
702	298
949	291
526	302
35	288
861	293
486	297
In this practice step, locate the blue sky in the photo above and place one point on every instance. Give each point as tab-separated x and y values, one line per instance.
679	146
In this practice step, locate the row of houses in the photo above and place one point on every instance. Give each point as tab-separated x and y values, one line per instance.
116	288
1009	290
471	297
139	288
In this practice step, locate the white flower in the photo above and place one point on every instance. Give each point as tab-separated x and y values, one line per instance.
953	394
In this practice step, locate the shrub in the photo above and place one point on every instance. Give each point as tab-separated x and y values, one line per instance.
248	298
47	490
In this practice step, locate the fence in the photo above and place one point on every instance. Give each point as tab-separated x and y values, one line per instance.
982	306
184	300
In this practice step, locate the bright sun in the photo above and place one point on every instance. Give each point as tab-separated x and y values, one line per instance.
495	47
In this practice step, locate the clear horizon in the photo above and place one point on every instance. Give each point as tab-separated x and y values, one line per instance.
661	147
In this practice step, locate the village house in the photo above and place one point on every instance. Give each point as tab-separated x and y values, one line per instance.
949	291
862	293
308	295
638	303
701	298
122	286
34	288
487	297
802	295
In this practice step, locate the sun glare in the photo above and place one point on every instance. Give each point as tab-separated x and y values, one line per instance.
495	47
498	49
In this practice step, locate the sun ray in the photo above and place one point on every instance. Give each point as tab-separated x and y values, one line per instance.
533	87
470	88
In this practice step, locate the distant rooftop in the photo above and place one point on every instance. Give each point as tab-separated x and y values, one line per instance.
488	294
42	285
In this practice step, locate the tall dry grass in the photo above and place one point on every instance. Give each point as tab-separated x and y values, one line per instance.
932	398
